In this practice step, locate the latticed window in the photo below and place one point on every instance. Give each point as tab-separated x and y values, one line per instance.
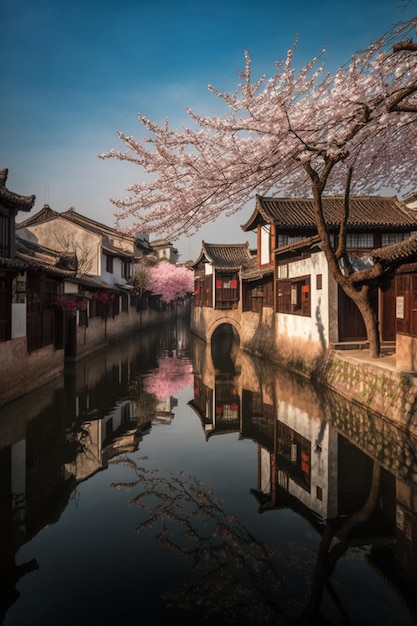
390	238
359	240
282	270
109	264
227	290
202	291
284	239
126	269
293	296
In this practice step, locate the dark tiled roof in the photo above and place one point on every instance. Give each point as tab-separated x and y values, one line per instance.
12	200
226	256
93	282
257	273
45	214
13	264
406	250
40	258
117	252
90	224
375	212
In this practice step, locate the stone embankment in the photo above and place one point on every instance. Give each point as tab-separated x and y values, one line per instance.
376	384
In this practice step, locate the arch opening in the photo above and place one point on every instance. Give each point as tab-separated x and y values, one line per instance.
225	344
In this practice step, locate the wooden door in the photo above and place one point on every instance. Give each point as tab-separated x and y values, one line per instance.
350	322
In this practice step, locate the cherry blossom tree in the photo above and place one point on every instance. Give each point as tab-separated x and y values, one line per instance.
171	282
299	132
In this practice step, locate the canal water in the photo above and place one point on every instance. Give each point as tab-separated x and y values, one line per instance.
170	481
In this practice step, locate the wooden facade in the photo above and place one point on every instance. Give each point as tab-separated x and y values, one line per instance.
217	274
286	234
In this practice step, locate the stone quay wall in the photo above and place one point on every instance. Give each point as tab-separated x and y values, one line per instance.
377	385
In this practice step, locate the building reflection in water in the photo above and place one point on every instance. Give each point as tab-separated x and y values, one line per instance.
352	475
348	473
71	429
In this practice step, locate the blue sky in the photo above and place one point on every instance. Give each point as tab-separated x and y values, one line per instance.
77	71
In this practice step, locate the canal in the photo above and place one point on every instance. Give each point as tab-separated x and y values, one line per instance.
169	481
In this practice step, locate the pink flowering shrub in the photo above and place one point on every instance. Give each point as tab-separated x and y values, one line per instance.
105	297
70	303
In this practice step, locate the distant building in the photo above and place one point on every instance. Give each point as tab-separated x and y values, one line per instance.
164	250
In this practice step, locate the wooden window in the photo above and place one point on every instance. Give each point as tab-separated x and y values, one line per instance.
319	281
227	290
126	269
284	239
391	238
293	296
257	295
109	264
359	240
282	270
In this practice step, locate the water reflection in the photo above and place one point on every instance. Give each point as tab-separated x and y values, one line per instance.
333	489
352	475
69	430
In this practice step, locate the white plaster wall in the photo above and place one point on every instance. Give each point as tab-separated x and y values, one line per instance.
18	320
265	238
53	234
317	432
125	243
316	327
70	287
265	477
114	277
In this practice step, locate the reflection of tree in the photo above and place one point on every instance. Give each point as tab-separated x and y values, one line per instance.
235	576
145	402
172	375
334	543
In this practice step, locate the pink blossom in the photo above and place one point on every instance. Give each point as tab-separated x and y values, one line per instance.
171	282
172	375
275	134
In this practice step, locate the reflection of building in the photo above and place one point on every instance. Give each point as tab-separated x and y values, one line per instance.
217	407
163	410
335	464
66	432
102	438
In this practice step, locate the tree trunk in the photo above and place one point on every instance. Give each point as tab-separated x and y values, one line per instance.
363	302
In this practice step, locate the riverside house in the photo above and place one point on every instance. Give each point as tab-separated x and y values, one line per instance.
66	291
288	305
